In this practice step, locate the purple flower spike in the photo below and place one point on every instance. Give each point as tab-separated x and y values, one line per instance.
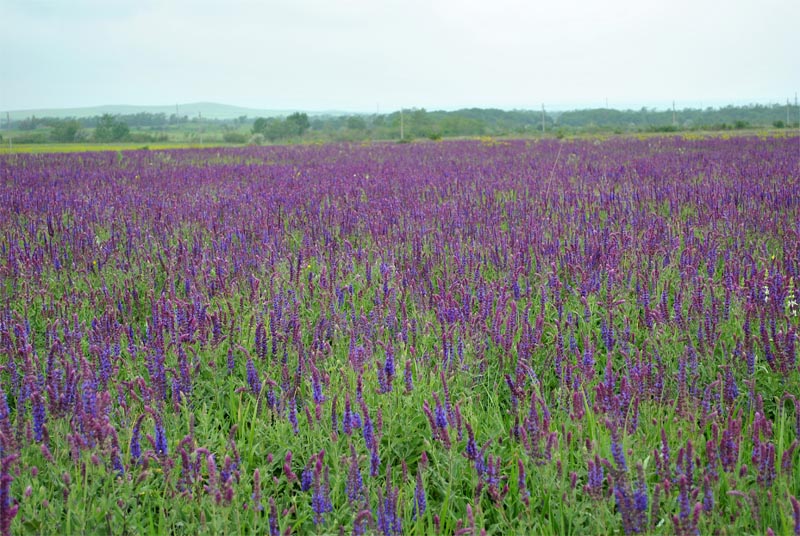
8	507
796	514
135	444
274	529
161	437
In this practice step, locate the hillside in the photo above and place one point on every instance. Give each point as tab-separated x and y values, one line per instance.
208	110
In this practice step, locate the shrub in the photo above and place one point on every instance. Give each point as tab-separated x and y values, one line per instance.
235	137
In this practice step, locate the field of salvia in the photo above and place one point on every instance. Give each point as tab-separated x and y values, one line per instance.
522	337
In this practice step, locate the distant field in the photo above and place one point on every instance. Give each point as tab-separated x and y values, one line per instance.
43	148
89	147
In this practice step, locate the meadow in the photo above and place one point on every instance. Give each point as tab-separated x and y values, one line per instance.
464	337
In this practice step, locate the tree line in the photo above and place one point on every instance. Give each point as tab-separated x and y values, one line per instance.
408	124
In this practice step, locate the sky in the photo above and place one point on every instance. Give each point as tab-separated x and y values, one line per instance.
383	55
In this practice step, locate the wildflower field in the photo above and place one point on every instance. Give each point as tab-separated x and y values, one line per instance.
521	337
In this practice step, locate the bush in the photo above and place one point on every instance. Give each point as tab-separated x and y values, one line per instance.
234	137
110	129
663	128
65	131
34	137
144	137
257	139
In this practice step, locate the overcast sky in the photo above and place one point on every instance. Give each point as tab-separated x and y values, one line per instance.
365	55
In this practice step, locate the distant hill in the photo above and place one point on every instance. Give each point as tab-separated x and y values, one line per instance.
208	110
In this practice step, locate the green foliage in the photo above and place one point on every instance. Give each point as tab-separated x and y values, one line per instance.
234	137
30	138
260	125
663	128
417	123
111	129
356	122
274	129
297	124
65	131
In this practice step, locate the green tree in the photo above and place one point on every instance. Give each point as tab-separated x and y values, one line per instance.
260	125
120	131
297	123
356	122
65	131
110	129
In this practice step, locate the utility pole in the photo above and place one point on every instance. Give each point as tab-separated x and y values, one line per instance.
401	123
542	118
674	121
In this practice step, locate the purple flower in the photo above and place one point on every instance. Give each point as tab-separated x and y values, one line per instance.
388	519
39	417
161	437
441	416
354	486
708	495
8	507
320	499
522	482
231	359
256	496
367	431
135	445
786	458
731	389
594	484
361	523
116	462
409	379
274	529
420	503
252	377
388	367
287	467
684	497
293	416
796	514
618	452
471	450
347	417
316	388
306	479
334	418
374	462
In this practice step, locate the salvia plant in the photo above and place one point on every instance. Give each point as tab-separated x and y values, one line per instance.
515	337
